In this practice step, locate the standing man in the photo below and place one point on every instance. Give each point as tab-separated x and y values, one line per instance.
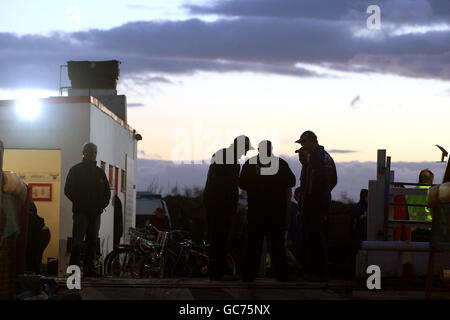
317	179
88	189
220	198
358	218
267	210
421	213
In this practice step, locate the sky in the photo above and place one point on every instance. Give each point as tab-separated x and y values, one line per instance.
198	73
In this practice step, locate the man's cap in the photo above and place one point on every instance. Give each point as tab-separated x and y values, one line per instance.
307	133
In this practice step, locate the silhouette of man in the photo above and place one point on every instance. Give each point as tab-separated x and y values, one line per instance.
317	179
267	210
220	198
88	189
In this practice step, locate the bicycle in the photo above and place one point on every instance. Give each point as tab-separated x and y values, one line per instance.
185	258
125	259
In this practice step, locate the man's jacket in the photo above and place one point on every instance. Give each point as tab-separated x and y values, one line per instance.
267	193
318	179
419	213
88	188
222	183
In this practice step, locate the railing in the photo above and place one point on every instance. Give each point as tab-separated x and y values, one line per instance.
393	191
381	202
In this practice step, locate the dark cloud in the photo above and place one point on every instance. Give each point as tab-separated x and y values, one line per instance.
251	44
352	176
324	9
411	11
144	79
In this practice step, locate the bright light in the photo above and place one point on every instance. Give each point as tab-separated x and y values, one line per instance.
28	108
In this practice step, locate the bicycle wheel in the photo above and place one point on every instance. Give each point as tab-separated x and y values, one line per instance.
150	264
123	262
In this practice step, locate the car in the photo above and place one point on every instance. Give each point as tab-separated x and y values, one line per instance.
147	206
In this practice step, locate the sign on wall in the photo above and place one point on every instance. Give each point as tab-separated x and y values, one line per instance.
39	176
40	191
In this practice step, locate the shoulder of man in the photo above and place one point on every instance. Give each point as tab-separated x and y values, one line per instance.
101	174
328	160
77	166
219	157
283	162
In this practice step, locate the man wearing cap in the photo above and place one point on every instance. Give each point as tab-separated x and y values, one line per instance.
267	210
220	198
317	179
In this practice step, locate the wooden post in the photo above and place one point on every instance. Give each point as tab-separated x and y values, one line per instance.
372	211
376	200
387	181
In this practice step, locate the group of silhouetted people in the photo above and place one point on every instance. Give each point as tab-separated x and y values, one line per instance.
268	180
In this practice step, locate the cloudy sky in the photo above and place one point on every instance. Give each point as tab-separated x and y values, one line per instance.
197	73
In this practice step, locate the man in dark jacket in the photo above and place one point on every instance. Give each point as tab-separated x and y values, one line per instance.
358	219
317	179
88	189
266	179
220	198
38	240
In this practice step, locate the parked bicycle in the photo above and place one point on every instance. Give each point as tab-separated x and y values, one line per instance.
156	253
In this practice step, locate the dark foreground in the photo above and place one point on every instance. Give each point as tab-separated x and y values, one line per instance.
261	289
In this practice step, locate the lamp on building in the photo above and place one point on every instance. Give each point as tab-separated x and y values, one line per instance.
28	108
138	137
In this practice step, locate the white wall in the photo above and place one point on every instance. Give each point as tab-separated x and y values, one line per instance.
67	126
63	126
115	143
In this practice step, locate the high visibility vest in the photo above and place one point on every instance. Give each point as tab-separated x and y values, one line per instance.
418	213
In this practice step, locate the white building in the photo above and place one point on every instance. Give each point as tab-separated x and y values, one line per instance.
43	140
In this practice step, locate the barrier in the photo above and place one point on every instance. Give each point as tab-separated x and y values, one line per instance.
380	221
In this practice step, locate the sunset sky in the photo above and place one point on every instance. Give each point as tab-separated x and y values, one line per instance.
197	73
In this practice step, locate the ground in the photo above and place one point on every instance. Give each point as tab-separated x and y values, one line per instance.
261	289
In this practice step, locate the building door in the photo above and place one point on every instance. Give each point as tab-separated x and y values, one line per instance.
41	170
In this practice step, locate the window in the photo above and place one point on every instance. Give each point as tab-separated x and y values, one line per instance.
123	181
111	177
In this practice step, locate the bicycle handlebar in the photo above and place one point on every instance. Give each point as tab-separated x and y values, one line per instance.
151	226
